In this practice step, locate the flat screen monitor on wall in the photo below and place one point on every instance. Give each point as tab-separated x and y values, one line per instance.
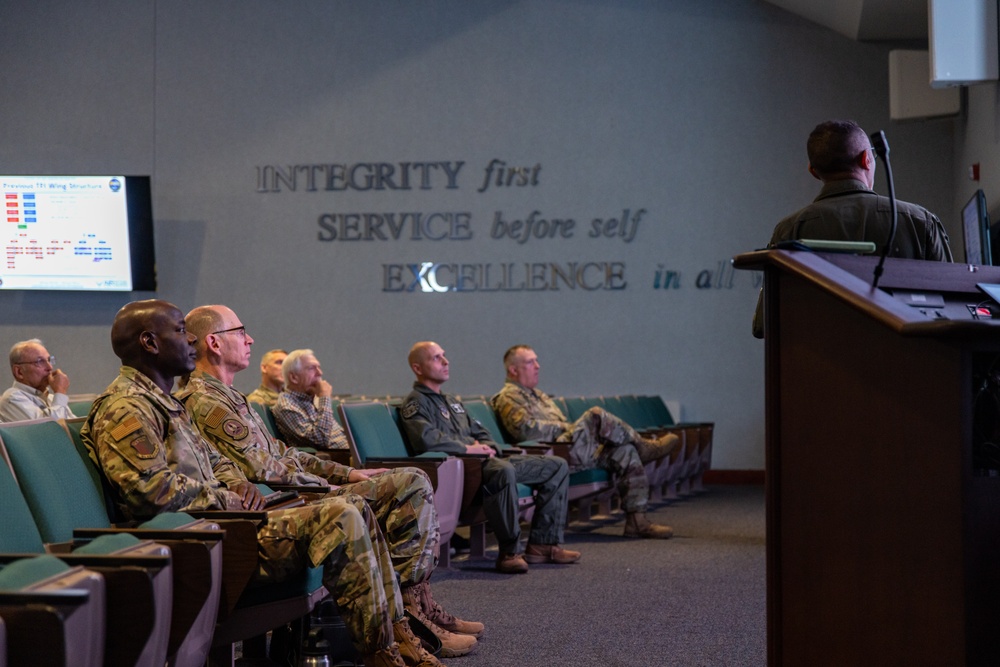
976	228
87	233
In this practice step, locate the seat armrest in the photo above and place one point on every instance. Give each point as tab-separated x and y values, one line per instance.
151	534
66	596
532	447
116	560
427	464
341	456
561	449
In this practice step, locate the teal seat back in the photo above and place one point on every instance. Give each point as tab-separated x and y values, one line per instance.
616	406
18	533
483	413
62	488
628	409
267	417
576	406
81	408
374	431
658	410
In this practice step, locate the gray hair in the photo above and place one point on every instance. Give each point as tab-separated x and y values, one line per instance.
293	363
17	351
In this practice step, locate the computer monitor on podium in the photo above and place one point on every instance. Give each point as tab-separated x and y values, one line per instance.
976	229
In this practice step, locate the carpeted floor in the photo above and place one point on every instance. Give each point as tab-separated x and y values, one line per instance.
695	600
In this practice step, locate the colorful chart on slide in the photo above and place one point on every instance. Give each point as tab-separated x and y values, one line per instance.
64	232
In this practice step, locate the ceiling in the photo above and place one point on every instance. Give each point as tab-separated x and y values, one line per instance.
865	20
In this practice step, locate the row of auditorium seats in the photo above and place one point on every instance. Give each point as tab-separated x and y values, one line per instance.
377	439
175	588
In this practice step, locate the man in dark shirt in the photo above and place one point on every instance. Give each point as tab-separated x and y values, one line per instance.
847	209
437	422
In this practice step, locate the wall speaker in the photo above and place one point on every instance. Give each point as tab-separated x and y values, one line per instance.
963	42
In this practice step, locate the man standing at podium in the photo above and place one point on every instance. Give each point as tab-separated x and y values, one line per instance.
847	209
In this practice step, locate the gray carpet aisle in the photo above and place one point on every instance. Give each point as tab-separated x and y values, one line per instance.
696	600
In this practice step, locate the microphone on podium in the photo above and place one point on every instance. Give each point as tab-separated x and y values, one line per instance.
881	146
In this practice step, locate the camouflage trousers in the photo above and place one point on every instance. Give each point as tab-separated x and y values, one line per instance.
403	502
340	534
548	476
602	440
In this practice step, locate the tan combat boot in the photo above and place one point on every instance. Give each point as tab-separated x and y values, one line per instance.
410	648
387	657
439	617
637	525
453	644
653	450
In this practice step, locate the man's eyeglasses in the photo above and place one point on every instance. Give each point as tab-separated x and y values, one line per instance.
40	361
241	330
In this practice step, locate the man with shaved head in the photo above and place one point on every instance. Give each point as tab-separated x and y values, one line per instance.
437	422
271	381
848	209
155	460
402	498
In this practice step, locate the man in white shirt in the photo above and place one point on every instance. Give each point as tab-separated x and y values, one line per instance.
39	388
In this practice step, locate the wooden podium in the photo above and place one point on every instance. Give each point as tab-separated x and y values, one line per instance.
883	525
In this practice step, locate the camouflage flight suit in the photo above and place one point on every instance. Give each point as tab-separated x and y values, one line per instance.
402	499
439	423
304	423
599	438
263	395
154	458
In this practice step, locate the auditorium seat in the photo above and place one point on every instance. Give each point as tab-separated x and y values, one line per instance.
584	485
267	416
64	492
137	578
376	442
702	432
236	610
230	610
54	613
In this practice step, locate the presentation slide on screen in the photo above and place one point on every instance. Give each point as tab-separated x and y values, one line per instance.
65	232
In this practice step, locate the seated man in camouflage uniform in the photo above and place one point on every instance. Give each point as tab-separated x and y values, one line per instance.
304	409
439	423
402	499
271	381
599	438
155	460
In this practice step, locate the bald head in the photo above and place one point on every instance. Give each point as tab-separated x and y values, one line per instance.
133	321
420	351
202	321
150	336
428	363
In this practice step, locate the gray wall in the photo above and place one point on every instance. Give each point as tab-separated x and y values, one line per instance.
978	142
694	112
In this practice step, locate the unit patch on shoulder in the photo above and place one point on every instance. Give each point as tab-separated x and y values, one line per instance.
235	429
409	410
144	449
127	427
458	408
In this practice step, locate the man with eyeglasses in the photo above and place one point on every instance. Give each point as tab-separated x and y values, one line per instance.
155	460
848	209
401	499
39	388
